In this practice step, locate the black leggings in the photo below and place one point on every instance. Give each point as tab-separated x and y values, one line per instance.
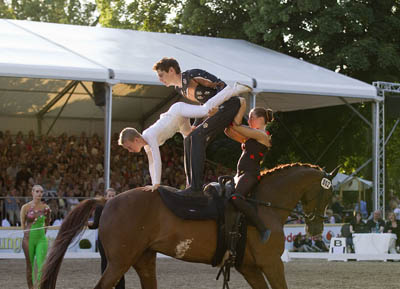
197	141
246	183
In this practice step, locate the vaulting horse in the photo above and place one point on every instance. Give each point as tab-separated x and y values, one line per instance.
136	224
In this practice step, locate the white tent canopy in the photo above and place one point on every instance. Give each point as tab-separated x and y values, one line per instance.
42	62
37	60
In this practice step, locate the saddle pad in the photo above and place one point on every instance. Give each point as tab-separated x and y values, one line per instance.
188	208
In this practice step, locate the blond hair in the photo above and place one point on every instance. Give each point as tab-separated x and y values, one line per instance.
37	187
128	133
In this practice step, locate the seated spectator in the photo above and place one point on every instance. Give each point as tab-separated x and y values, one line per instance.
302	243
393	226
337	208
330	219
320	245
12	207
376	224
395	207
356	225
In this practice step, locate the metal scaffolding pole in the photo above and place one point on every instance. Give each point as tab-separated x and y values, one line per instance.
379	142
378	155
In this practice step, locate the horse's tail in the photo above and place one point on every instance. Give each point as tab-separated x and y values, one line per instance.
72	225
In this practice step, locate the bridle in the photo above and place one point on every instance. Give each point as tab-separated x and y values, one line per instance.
310	217
325	185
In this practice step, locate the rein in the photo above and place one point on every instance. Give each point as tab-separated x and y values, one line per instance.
310	216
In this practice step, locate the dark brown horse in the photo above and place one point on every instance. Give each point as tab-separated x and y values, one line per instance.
136	225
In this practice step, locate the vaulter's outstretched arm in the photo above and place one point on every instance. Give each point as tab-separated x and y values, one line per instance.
155	165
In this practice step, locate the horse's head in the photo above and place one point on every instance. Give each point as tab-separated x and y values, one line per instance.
315	202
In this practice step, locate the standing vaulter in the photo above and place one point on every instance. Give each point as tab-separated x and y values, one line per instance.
255	140
200	86
35	217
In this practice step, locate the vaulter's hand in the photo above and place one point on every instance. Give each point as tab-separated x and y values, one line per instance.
212	111
151	188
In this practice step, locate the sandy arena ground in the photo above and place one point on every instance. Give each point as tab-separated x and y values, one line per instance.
173	274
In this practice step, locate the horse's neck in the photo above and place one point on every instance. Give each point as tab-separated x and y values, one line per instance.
282	192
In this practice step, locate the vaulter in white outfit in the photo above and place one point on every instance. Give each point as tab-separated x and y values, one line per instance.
176	119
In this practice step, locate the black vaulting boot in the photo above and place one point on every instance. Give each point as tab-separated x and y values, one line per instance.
250	213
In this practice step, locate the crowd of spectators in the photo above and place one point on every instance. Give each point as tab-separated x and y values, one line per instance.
354	219
373	224
70	167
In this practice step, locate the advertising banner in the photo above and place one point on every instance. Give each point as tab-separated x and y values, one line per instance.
11	241
330	231
11	238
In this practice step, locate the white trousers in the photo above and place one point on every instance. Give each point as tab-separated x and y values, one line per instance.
195	111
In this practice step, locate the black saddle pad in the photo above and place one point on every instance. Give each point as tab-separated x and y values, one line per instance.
189	208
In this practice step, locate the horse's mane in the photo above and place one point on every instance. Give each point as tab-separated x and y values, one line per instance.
288	166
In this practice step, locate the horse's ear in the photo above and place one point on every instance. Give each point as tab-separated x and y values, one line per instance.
333	174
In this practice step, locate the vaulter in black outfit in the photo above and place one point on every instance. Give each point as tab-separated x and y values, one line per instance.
255	141
95	225
199	86
206	86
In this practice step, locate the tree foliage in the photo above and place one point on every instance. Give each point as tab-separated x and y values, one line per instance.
55	11
148	15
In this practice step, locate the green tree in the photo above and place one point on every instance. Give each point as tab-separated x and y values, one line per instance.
148	15
217	18
55	11
359	38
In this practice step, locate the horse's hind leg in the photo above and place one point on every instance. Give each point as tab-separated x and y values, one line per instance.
111	276
146	269
275	273
254	277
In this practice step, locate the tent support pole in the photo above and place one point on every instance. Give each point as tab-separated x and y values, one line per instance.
356	112
39	125
62	109
253	99
334	139
107	134
45	109
173	96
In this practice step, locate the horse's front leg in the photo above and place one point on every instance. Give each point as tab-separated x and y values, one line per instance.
275	272
146	269
253	276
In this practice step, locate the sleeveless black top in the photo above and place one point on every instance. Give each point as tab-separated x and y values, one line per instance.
252	155
202	93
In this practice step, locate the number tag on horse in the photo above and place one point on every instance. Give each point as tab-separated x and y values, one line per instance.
326	183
